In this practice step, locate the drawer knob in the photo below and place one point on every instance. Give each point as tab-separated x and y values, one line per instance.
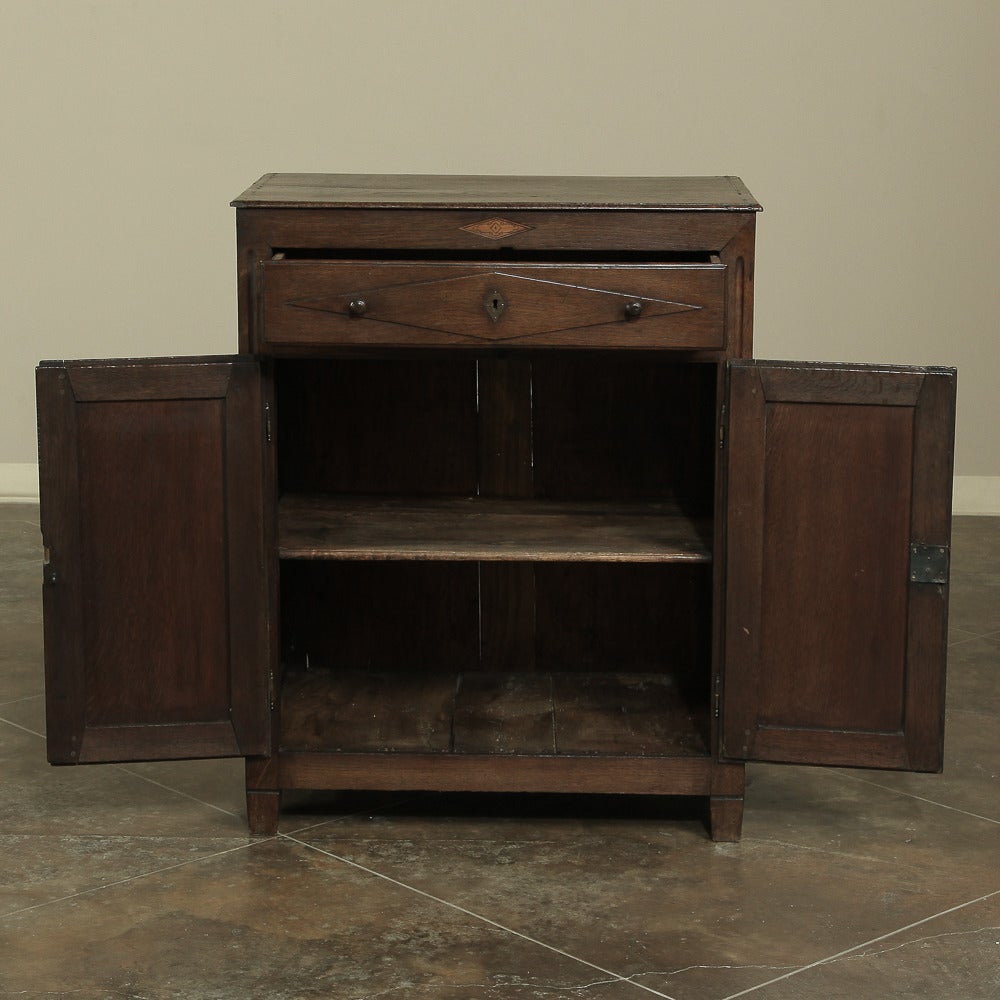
357	307
633	310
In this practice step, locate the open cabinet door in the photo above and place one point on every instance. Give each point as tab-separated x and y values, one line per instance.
838	520
154	590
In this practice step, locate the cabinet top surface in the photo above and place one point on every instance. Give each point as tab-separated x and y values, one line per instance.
496	192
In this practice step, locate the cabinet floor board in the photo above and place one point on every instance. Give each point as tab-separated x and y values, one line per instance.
574	714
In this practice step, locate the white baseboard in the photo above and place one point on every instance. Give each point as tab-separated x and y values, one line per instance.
18	482
972	494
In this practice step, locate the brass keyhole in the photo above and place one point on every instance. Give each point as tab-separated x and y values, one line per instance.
494	304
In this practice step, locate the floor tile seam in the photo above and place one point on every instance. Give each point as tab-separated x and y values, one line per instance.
175	791
973	711
919	798
972	637
615	977
849	952
23	729
832	853
19	701
138	877
132	774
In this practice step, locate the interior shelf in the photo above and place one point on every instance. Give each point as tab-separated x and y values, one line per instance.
485	713
330	527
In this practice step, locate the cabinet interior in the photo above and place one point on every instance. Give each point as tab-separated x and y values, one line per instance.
496	555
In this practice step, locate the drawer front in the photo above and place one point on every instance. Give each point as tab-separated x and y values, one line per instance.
315	303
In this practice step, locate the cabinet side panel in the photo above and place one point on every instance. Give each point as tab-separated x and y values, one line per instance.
154	557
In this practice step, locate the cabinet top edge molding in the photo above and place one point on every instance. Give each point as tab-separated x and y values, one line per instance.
498	193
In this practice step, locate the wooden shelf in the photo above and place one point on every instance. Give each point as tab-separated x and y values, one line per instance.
572	714
325	527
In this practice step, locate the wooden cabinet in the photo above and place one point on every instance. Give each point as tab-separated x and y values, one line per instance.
494	498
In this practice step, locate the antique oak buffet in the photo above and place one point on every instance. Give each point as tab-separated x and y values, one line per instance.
493	498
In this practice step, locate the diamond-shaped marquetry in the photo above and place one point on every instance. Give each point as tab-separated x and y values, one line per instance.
495	229
493	306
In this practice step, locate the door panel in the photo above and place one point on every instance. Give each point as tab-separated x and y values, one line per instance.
832	654
154	584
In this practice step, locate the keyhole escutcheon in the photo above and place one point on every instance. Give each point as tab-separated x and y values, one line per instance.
494	304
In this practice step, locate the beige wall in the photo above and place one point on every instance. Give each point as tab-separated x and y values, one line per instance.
867	128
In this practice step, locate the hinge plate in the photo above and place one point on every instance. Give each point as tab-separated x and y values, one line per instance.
929	563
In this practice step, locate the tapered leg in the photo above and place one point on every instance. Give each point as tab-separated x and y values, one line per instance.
726	819
263	795
726	802
263	809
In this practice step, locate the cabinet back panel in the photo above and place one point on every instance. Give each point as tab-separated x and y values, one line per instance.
441	617
624	429
364	426
642	619
381	616
154	561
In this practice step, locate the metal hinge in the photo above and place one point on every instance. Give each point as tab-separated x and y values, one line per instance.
718	694
270	689
267	422
722	427
929	563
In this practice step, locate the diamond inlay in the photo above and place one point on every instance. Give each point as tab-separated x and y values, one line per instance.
495	229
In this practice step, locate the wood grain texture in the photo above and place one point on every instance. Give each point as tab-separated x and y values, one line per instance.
141	544
819	605
495	192
563	714
365	426
382	616
498	773
543	305
478	528
387	231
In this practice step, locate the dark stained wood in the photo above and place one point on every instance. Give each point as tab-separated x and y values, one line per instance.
495	192
504	398
886	385
324	527
607	427
642	619
308	302
424	548
507	616
59	496
506	470
149	634
737	254
499	773
725	818
263	811
358	711
645	714
386	231
380	616
365	426
818	660
504	714
930	524
565	714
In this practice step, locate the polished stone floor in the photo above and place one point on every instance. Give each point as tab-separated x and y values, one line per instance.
140	881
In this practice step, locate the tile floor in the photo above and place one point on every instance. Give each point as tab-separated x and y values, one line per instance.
140	881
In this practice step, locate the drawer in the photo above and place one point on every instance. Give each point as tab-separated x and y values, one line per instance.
455	304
